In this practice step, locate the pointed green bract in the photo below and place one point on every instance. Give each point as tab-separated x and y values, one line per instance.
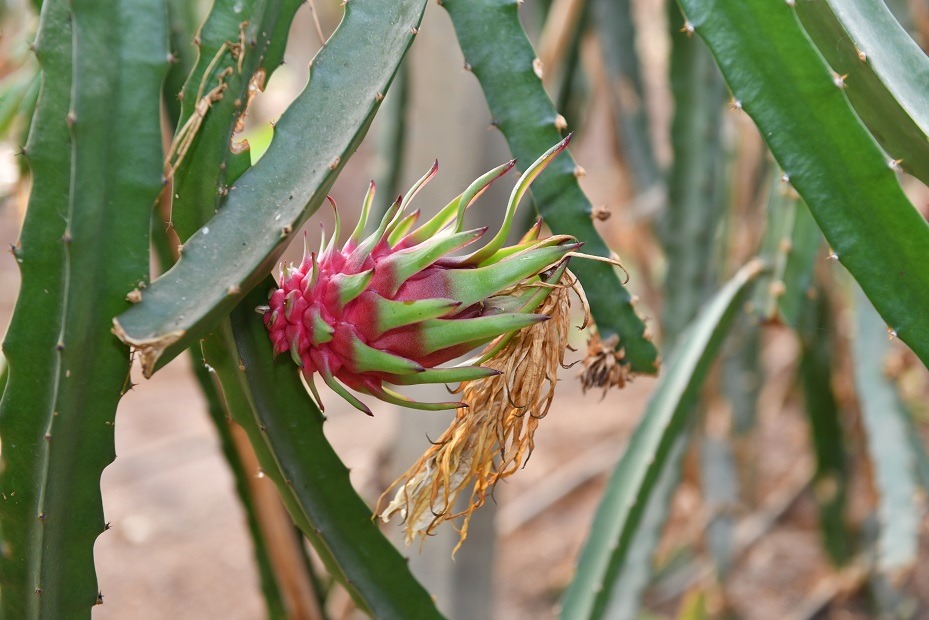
321	330
389	396
337	229
391	313
311	384
533	233
446	375
410	194
522	186
337	387
322	240
289	304
365	247
367	359
444	333
470	286
477	188
314	273
436	223
455	210
403	228
295	355
524	246
404	264
530	301
351	286
363	218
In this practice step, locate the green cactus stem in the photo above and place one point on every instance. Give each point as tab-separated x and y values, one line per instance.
95	149
239	46
619	519
790	245
830	483
509	75
696	181
617	33
884	71
312	141
286	429
893	459
27	404
216	410
799	104
183	19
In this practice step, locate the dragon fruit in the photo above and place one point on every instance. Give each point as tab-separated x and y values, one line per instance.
391	307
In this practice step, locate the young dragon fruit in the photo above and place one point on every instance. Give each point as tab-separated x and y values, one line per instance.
391	307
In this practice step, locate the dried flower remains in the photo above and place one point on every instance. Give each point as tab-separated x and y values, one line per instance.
492	436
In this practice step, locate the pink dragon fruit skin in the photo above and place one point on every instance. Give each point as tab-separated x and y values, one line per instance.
392	307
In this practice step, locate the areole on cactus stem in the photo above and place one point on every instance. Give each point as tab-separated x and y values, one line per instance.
391	307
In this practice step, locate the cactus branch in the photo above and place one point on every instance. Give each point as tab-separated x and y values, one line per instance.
636	478
230	254
240	45
885	73
85	245
790	245
286	429
780	80
509	75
